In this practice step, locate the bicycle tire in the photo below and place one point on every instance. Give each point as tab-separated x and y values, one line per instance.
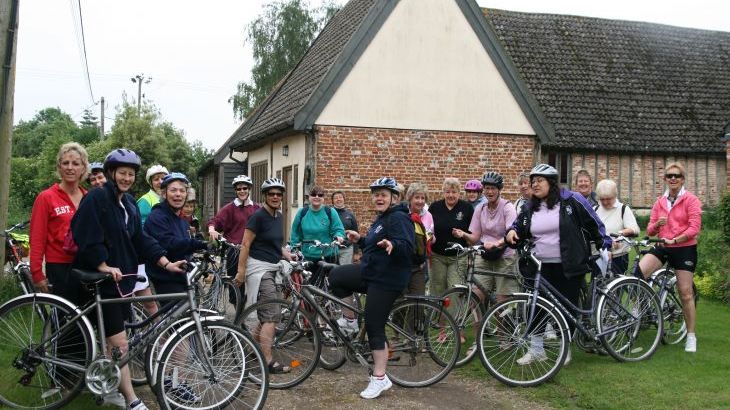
223	296
631	306
333	353
505	336
235	362
675	328
296	341
465	317
137	365
423	342
24	323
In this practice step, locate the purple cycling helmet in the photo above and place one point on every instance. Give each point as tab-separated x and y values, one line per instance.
473	185
122	157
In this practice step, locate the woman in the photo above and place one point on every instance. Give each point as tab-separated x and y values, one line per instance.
96	176
676	217
617	218
556	220
188	214
382	274
349	223
488	225
50	220
261	250
172	233
316	222
474	194
416	197
523	181
449	214
108	231
154	177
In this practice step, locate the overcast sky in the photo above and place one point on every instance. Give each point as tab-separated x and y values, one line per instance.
195	55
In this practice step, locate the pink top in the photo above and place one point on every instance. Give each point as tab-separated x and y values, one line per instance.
492	225
545	230
685	217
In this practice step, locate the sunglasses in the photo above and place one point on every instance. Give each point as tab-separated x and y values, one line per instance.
242	188
279	194
319	195
673	176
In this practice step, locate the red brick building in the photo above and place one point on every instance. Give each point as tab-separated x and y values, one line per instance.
425	89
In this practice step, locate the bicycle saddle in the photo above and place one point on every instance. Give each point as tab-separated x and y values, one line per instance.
325	267
90	276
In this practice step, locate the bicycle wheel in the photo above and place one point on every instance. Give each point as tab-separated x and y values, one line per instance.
507	335
675	329
137	364
30	341
629	320
333	353
467	311
214	369
223	296
295	341
423	343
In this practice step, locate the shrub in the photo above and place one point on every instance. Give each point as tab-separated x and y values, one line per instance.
724	216
712	278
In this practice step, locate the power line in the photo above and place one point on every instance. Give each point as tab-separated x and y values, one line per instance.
79	26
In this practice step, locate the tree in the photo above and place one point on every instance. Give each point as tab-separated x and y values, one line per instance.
280	37
29	136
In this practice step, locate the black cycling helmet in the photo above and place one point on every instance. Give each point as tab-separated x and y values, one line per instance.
494	179
272	183
544	170
122	157
385	182
174	176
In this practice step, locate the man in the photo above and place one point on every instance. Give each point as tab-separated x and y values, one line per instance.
584	185
96	176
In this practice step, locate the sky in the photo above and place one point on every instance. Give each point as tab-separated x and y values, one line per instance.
195	56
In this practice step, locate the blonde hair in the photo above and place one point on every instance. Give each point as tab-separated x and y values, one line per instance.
416	188
677	165
451	182
606	188
79	149
583	173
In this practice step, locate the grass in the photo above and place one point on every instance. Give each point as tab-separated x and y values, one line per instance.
671	378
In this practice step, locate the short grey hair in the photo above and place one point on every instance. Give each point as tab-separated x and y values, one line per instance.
451	182
416	188
606	188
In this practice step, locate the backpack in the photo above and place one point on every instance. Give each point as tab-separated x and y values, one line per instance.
420	246
327	211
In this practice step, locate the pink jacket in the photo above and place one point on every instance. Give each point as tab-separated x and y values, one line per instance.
684	218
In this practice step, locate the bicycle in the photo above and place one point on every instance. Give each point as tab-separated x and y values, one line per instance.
218	291
624	315
664	283
465	305
52	351
421	334
14	257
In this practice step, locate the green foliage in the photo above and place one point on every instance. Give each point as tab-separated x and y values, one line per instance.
29	136
712	277
723	211
643	221
280	37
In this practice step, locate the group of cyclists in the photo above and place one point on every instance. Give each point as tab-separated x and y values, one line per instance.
105	229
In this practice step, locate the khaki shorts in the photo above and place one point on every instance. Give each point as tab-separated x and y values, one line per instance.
499	285
267	291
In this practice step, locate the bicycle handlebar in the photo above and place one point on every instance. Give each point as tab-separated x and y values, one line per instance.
19	225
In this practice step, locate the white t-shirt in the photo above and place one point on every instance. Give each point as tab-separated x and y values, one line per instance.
613	221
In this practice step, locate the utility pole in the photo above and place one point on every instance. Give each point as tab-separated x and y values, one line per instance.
139	78
101	123
8	39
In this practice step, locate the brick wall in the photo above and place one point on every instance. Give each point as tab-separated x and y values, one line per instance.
350	158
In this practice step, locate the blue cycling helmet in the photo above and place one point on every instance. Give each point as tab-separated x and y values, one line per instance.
122	157
174	176
385	182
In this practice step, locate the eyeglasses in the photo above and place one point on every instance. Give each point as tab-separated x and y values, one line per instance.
537	180
319	195
242	188
279	194
673	176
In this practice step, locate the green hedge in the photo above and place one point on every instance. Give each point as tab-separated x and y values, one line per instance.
723	217
712	276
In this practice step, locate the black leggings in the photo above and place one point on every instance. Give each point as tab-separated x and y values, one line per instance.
346	279
568	287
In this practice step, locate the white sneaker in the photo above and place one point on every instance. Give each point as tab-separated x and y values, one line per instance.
137	405
531	356
690	345
115	399
349	326
376	387
550	332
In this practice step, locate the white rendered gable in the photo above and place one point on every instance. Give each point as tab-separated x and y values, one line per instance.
426	69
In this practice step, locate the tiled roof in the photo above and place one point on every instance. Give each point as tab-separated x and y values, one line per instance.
277	112
621	85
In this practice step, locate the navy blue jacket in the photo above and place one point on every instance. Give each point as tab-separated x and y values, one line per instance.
389	272
173	234
579	225
102	235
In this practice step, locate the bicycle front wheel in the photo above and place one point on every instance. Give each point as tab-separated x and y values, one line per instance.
467	310
519	350
675	329
423	343
220	367
289	333
42	367
629	320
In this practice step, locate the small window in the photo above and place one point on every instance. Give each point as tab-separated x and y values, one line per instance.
259	174
560	162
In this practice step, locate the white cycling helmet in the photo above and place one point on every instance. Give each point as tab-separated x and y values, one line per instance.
544	170
154	170
191	195
272	183
242	179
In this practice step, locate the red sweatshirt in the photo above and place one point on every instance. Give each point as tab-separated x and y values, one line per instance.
50	219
